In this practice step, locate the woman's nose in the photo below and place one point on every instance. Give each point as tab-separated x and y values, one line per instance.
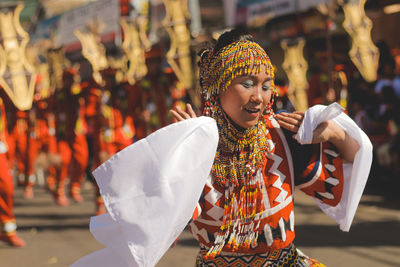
257	94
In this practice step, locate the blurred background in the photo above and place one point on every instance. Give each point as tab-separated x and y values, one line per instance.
82	79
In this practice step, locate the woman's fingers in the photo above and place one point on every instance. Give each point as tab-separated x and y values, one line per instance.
290	121
294	118
191	111
299	114
288	126
176	115
181	115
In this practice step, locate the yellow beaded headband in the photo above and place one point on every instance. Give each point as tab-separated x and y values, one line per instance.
217	71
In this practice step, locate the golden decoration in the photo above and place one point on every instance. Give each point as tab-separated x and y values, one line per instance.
363	53
17	75
57	63
134	45
343	92
92	49
295	67
43	86
175	23
120	65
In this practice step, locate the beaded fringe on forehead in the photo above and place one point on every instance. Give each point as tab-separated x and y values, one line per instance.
240	154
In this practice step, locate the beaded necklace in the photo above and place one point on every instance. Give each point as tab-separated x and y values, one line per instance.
241	153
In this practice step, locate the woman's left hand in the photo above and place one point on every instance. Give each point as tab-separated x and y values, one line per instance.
290	121
181	115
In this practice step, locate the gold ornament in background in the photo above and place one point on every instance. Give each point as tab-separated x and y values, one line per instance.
57	63
363	53
37	55
76	84
92	49
43	86
295	67
175	23
17	75
120	65
343	92
135	44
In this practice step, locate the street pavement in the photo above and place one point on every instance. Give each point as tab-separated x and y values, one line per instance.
58	236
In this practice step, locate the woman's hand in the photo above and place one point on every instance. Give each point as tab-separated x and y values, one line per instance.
181	115
290	121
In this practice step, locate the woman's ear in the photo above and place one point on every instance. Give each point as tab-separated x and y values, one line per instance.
269	109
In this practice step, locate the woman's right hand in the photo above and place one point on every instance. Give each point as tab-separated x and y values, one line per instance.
181	115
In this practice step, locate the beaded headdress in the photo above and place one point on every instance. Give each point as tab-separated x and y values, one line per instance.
241	153
219	68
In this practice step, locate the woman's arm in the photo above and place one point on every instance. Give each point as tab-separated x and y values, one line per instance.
327	131
331	132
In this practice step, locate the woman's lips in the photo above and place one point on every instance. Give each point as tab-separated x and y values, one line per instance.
252	111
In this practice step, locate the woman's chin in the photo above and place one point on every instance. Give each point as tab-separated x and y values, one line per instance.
248	124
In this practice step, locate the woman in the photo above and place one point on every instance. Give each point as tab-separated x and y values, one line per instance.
248	204
244	216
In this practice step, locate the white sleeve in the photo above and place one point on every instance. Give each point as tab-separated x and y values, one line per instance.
356	174
150	190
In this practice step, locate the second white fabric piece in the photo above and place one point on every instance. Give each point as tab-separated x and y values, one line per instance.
356	174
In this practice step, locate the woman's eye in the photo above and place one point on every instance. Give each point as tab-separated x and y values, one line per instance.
266	87
247	84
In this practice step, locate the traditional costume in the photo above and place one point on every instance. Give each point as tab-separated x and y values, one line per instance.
70	131
25	150
8	225
244	215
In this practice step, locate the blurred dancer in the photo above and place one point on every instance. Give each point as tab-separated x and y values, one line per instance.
8	225
71	144
25	150
93	100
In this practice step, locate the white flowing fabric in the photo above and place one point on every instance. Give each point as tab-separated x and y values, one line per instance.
356	174
150	190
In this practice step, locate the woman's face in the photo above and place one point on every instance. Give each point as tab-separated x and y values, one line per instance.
245	99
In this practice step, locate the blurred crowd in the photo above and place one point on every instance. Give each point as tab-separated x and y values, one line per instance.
374	106
70	132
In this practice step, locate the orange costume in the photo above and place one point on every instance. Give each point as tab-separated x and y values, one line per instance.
136	106
94	119
116	129
119	129
25	150
7	220
71	144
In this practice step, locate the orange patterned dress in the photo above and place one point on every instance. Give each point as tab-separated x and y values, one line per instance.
314	169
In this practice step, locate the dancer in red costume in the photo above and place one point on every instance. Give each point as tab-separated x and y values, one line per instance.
95	122
8	225
119	129
114	130
25	150
71	145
